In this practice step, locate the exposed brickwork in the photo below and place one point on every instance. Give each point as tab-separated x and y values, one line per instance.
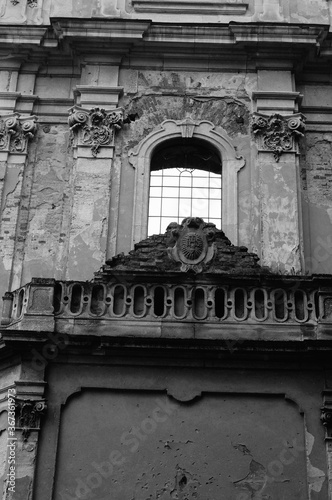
316	168
151	254
152	110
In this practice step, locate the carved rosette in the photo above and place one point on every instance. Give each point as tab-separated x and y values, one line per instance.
28	415
193	243
277	133
95	127
16	132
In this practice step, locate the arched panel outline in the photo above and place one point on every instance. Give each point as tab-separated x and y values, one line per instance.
203	130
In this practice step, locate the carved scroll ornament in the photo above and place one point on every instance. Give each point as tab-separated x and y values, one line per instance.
94	127
277	133
15	133
28	415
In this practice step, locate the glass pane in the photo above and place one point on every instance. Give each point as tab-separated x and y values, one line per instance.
154	225
200	208
215	181
201	181
171	181
215	208
215	193
185	181
185	192
170	192
155	191
154	206
155	180
184	208
170	207
200	193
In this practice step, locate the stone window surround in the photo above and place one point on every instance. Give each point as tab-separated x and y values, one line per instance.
140	159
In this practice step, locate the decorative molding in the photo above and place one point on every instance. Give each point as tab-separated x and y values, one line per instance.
194	244
277	133
234	7
16	132
94	128
28	415
187	128
22	12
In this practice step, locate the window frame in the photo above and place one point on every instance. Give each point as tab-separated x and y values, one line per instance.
140	159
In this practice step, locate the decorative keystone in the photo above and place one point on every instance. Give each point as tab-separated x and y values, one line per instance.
194	243
277	133
16	132
28	415
95	127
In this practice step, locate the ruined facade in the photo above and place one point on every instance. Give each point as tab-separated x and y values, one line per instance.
193	361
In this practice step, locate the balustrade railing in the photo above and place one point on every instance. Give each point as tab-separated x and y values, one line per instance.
168	302
185	302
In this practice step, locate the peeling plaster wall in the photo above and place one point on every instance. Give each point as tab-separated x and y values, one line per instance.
240	439
11	196
47	199
47	231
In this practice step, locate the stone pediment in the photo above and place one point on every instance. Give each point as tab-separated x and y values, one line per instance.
193	246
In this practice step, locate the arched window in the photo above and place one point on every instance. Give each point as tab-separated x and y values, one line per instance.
147	157
185	180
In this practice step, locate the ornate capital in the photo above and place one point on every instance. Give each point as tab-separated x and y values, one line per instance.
15	133
95	127
28	415
193	243
277	133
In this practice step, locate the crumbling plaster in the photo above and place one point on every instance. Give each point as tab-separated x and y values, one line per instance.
211	436
52	240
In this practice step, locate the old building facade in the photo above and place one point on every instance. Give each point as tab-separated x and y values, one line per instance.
166	249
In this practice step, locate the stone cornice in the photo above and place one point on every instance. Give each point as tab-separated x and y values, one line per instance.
81	31
93	29
22	34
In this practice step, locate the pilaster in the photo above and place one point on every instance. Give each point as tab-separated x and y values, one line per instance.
277	126
93	123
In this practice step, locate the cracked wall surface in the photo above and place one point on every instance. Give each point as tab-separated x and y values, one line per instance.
61	215
246	442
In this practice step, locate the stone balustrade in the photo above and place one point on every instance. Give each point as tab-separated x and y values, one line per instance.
287	301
